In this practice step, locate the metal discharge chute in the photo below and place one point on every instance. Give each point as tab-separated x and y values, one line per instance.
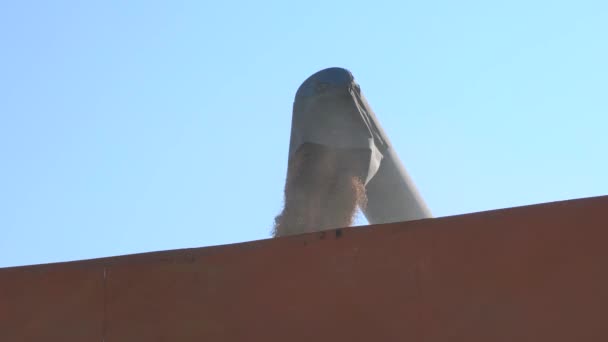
330	110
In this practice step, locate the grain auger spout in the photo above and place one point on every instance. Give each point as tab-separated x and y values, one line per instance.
340	158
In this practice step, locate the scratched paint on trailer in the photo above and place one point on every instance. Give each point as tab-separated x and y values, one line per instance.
536	273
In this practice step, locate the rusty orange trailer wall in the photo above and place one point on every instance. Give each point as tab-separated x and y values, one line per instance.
537	273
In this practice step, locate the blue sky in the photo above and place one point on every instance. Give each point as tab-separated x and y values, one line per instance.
126	127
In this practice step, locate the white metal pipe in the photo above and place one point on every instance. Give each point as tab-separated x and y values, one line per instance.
330	110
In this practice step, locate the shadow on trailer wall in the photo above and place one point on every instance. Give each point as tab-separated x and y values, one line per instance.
536	273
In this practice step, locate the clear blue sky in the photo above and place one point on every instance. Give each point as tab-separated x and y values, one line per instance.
126	126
